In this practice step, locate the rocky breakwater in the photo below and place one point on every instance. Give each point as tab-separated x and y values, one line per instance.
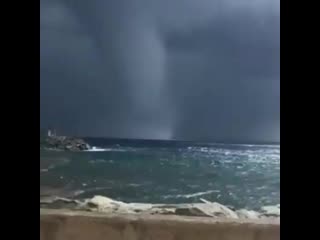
204	209
64	143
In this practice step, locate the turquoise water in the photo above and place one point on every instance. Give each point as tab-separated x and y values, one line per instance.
241	176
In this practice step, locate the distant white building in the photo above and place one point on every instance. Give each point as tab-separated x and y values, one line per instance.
51	133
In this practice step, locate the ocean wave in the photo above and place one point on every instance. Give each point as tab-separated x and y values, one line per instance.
88	190
99	161
235	154
192	195
96	149
78	192
246	145
51	167
134	185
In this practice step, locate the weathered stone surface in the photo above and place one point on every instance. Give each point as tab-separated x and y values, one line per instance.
63	225
247	214
104	204
217	209
191	211
100	201
161	210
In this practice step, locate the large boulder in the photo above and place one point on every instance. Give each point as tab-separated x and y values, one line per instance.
105	204
206	209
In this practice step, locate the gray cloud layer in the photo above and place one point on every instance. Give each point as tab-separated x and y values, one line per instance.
205	69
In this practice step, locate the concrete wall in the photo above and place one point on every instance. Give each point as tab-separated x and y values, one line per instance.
67	225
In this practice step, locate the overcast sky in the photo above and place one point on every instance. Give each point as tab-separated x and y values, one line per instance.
161	69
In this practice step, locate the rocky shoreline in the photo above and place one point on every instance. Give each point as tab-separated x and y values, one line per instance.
63	143
204	209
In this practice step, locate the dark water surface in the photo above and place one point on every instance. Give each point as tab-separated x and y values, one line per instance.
242	176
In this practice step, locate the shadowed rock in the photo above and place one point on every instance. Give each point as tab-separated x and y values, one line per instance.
64	143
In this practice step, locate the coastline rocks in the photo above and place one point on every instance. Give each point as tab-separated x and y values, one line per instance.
247	214
58	202
161	210
104	204
214	210
204	209
64	143
219	210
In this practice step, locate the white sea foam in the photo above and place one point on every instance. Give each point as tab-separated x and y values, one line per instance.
96	149
78	192
197	194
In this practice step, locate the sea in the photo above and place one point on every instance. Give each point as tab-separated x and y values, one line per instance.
236	175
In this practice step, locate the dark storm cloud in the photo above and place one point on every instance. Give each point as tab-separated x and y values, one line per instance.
161	69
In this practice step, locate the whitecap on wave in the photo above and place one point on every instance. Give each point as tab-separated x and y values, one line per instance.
197	194
96	149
